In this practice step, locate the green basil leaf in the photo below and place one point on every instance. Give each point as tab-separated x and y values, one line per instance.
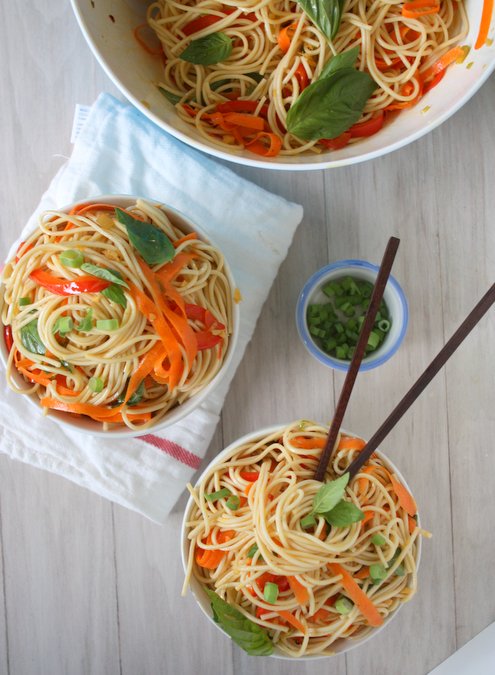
325	14
343	514
153	244
136	397
115	294
103	273
245	633
30	338
173	98
330	494
331	105
67	366
208	50
344	60
86	324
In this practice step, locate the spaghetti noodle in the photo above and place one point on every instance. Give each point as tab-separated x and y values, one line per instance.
277	52
257	522
117	314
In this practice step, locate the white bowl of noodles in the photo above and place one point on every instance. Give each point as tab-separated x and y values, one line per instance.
117	324
268	538
108	28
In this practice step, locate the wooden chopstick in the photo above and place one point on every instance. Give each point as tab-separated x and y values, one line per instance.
366	328
422	382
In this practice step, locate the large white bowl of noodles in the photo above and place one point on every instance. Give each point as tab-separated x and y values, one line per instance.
198	579
165	407
108	28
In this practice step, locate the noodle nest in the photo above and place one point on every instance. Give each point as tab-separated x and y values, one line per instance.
125	349
271	479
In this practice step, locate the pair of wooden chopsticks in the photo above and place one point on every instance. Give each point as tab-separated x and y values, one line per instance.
421	383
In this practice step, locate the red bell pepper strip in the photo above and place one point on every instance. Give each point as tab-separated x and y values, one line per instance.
7	336
368	128
336	143
84	284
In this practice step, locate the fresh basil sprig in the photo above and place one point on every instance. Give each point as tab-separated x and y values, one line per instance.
173	98
245	633
153	244
30	338
103	273
115	294
136	397
208	50
343	514
331	105
329	503
325	14
343	60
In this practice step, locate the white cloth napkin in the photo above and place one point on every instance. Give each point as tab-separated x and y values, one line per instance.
118	151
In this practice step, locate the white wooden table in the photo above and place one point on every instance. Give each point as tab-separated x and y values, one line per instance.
89	587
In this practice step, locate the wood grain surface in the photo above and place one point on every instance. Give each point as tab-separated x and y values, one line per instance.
90	587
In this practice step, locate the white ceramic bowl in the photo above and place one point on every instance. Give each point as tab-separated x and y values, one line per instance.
197	589
84	424
107	26
358	269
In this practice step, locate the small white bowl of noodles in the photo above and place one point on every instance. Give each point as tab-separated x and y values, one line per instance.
270	79
298	584
118	316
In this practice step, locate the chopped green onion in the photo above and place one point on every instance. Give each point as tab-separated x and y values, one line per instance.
373	340
377	572
71	258
220	494
107	325
400	571
86	324
384	325
63	325
378	540
270	592
343	605
24	301
95	384
252	551
308	521
233	502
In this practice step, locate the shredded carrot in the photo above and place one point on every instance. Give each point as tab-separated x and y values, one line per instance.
412	524
348	443
486	17
368	515
362	480
290	618
186	237
300	591
144	368
265	144
308	442
173	268
357	595
321	615
97	412
406	500
79	209
244	120
211	558
36	376
454	54
363	573
285	36
247	489
417	8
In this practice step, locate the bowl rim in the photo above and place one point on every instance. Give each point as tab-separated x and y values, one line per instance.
191	404
269	163
314	280
184	542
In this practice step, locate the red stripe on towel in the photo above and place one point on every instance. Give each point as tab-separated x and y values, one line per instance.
174	450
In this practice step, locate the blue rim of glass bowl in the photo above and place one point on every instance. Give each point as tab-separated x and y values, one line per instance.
302	328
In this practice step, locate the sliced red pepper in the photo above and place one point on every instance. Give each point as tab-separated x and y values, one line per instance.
241	107
250	476
282	582
368	128
85	284
7	336
336	143
207	340
17	256
200	23
302	76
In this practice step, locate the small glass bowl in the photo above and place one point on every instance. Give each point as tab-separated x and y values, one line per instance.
358	269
